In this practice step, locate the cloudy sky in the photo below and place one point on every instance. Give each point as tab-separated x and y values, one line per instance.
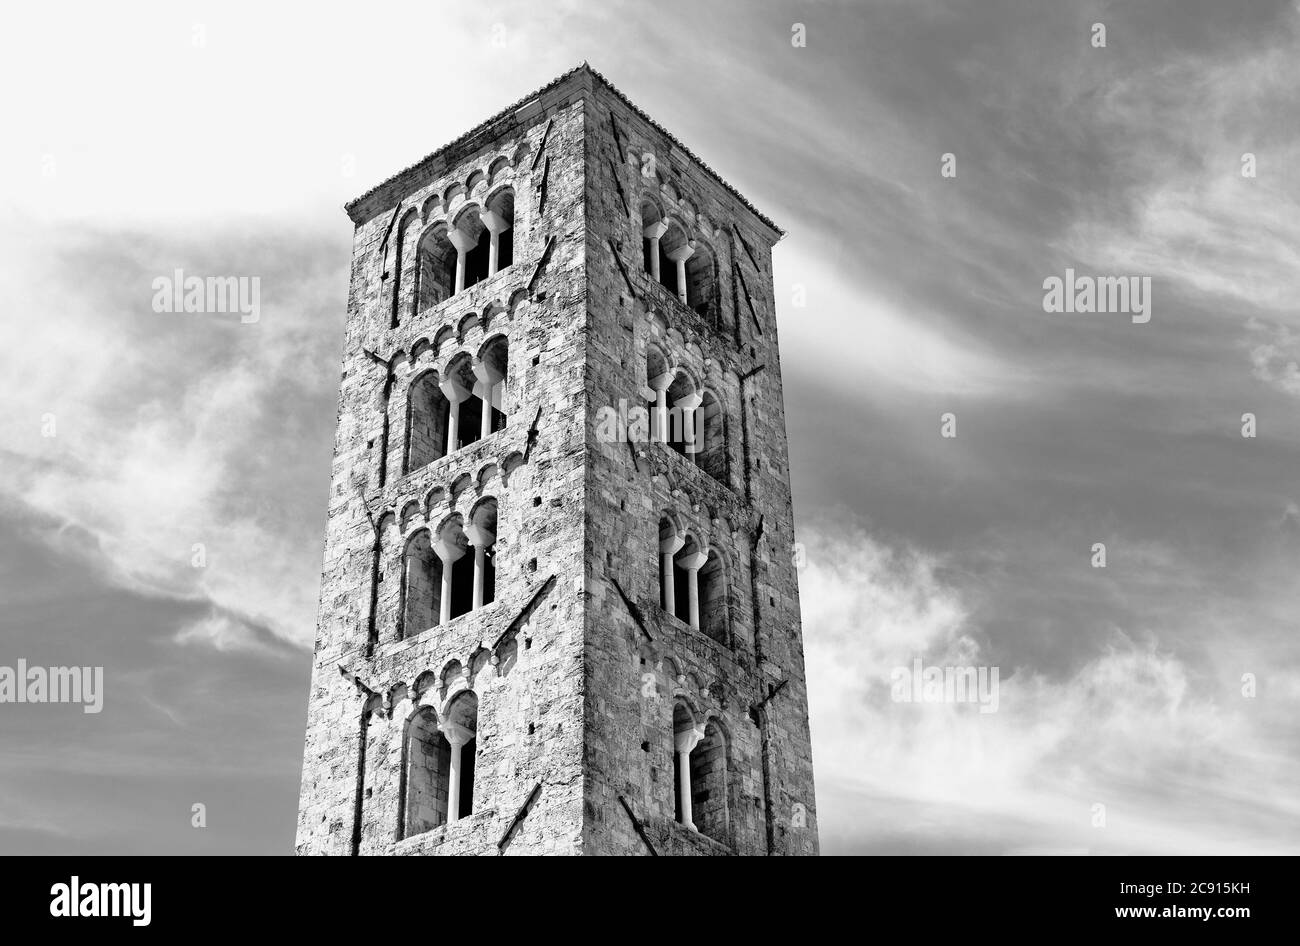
224	138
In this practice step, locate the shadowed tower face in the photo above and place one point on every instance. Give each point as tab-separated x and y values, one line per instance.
559	610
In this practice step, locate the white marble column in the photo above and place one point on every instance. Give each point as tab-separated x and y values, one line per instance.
680	255
481	540
463	243
450	552
692	565
685	408
457	735
454	392
684	741
496	225
658	390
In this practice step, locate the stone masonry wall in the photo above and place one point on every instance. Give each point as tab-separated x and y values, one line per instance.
521	654
641	659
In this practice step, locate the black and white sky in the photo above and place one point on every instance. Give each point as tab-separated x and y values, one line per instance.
223	139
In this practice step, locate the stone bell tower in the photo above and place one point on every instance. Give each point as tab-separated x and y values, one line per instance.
559	612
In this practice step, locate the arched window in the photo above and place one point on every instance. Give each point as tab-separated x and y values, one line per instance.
700	283
686	568
482	535
652	230
708	778
682	401
669	545
490	373
686	735
427	415
457	590
674	250
712	592
499	220
402	259
428	764
472	236
711	434
459	731
657	380
435	276
421	585
465	416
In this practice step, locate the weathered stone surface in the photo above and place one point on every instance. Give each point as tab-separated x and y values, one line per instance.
575	666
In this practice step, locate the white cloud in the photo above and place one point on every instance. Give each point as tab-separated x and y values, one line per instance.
149	443
1179	760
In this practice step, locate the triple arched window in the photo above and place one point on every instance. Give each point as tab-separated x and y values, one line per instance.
693	582
690	418
682	265
452	255
464	404
449	571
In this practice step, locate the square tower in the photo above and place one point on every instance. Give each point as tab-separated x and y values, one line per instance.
559	609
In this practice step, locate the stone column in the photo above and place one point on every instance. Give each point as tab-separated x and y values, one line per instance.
667	549
686	408
450	552
457	735
658	391
454	393
692	565
652	233
496	225
463	243
679	256
482	540
684	741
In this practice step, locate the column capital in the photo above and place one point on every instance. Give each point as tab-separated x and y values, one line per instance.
485	372
654	231
456	734
681	254
670	545
461	240
448	551
685	740
453	390
478	536
693	561
494	222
